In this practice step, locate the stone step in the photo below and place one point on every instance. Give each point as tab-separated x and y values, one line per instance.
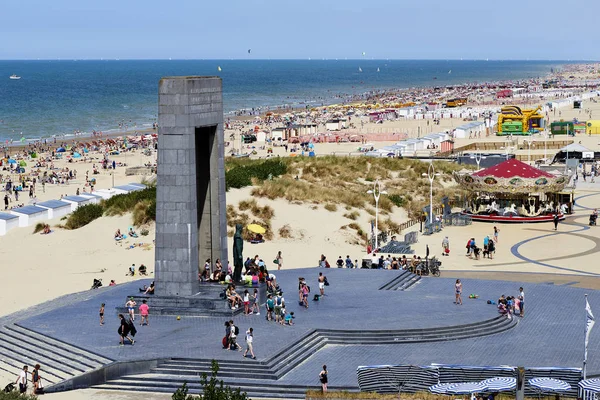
206	365
223	373
45	351
169	383
403	275
58	344
15	371
16	361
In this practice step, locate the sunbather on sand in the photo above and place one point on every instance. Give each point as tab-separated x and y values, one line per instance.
118	235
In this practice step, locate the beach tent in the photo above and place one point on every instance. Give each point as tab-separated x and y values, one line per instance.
60	150
8	222
11	161
78	201
76	155
29	215
22	163
56	208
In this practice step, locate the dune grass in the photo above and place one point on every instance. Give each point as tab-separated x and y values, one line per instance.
83	215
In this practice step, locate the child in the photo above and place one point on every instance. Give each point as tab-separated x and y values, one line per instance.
288	318
282	318
144	313
102	314
246	302
270	307
255	305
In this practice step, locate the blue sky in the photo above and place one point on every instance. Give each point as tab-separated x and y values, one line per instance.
222	29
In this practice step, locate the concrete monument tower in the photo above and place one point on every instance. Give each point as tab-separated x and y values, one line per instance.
191	221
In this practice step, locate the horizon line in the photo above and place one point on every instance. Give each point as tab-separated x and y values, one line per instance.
294	59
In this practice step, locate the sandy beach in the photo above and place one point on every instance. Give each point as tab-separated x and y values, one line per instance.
37	268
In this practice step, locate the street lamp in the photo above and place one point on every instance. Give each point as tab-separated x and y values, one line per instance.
376	192
478	157
431	175
507	150
529	142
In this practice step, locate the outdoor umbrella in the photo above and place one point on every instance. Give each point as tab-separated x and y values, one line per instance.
592	385
11	161
255	228
466	388
440	388
500	384
549	385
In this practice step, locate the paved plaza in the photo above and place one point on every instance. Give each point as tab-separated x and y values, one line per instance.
551	334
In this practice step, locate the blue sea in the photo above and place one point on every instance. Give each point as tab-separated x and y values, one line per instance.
59	97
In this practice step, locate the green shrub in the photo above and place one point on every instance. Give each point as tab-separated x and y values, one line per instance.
144	232
84	215
144	212
397	200
39	227
122	203
15	395
241	175
212	389
330	207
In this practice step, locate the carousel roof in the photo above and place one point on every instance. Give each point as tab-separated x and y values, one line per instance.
513	168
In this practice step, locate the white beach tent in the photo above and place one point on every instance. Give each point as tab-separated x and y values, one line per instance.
78	201
8	222
29	215
56	208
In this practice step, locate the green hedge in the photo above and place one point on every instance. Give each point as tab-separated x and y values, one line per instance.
84	215
241	175
123	203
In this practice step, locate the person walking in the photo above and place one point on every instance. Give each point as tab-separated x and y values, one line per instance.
37	380
458	292
22	380
124	329
249	340
233	332
521	302
279	260
323	379
101	312
322	283
496	232
445	246
131	308
555	219
144	312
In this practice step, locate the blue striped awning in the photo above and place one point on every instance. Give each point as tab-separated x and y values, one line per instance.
549	384
466	387
593	385
500	384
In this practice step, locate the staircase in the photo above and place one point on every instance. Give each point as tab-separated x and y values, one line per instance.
259	378
59	360
404	281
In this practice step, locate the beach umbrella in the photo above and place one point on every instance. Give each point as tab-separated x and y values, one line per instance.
549	384
500	384
592	385
11	161
440	388
466	388
255	228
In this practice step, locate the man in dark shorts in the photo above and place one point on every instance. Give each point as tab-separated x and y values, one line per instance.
22	380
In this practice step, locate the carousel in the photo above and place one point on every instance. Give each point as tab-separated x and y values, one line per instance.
514	192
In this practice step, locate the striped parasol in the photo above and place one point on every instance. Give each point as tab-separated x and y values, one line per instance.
500	384
549	384
466	388
440	388
592	385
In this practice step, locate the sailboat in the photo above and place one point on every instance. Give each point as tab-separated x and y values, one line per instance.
359	69
450	71
377	69
219	68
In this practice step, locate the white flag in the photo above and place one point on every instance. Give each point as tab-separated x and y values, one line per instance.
589	324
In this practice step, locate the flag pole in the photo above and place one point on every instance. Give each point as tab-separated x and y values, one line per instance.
585	340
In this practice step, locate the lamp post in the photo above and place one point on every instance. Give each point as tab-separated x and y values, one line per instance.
376	192
431	175
478	157
529	144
